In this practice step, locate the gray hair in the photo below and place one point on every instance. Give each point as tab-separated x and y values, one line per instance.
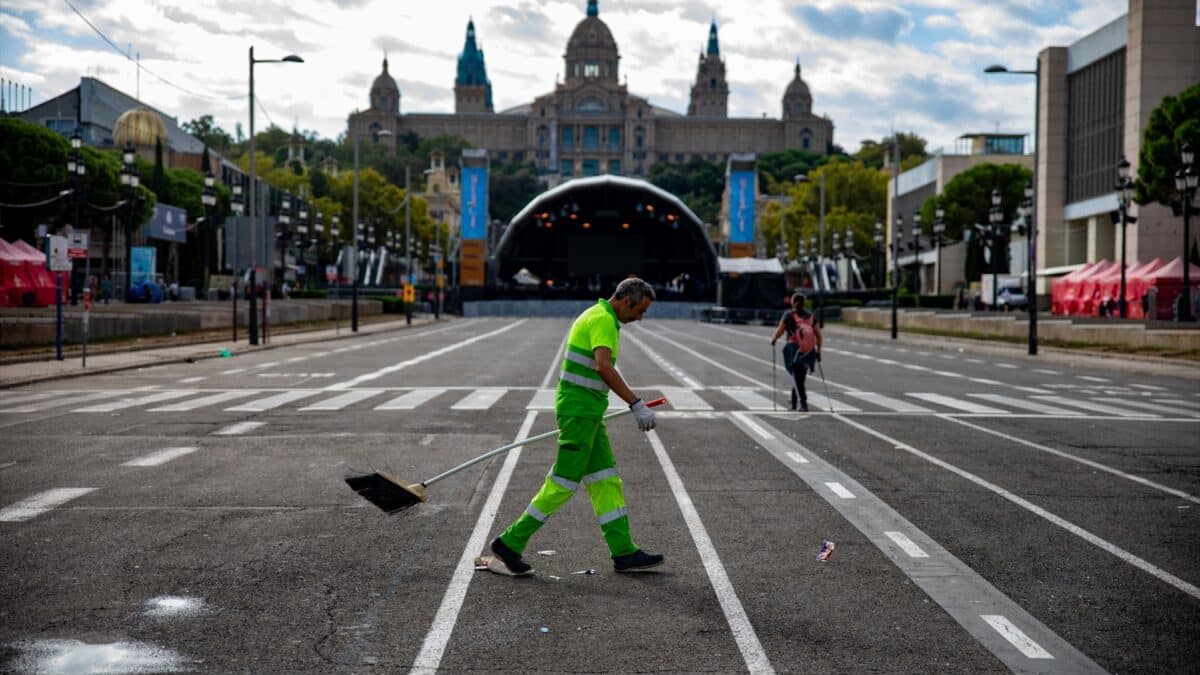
633	288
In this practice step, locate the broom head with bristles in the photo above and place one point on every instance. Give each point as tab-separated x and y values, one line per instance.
384	490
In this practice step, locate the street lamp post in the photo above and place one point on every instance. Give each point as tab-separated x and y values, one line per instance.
995	220
939	229
896	274
238	207
290	58
408	269
129	179
916	249
76	169
1124	198
357	228
1031	195
880	275
1186	179
209	199
819	248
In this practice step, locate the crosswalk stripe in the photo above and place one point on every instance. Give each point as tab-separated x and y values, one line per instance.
480	399
343	400
203	401
957	404
1094	407
747	398
1177	402
1022	404
137	400
410	400
272	402
543	399
1156	407
57	402
684	399
894	404
160	457
1152	387
238	429
25	398
33	506
819	399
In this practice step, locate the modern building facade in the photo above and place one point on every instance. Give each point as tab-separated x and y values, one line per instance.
1096	96
591	123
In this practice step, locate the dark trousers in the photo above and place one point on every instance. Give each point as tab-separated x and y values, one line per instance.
799	365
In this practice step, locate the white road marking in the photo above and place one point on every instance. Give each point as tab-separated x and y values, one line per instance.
410	400
673	370
427	439
232	371
189	380
239	428
136	401
295	359
160	457
429	658
213	399
747	398
1094	407
839	490
1151	387
754	426
895	404
948	357
1156	407
543	399
1117	551
1046	371
1009	632
26	397
796	457
272	402
1042	408
906	545
1178	402
820	399
957	404
348	384
735	615
343	400
684	399
1003	365
480	399
31	507
1075	458
973	360
57	402
1093	378
984	380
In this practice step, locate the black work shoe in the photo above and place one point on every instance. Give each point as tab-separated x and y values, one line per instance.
511	559
638	561
803	408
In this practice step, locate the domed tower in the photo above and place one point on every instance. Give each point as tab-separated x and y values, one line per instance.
710	93
797	101
140	127
385	95
472	88
591	52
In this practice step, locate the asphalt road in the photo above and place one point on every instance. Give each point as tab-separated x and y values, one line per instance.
988	513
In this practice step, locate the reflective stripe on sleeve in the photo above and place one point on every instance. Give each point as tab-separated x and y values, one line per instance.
563	482
581	359
585	382
534	513
600	475
605	518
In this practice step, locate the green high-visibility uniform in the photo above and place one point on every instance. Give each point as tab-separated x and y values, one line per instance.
584	454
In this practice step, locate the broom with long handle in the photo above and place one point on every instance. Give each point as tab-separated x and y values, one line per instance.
393	495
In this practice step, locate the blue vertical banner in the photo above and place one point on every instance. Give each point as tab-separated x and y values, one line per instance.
143	263
741	207
474	202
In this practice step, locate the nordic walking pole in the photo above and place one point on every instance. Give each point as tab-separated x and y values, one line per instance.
392	494
826	385
773	408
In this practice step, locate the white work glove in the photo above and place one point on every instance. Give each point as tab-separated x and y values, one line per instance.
642	415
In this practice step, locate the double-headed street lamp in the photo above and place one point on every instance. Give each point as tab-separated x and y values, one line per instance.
382	133
290	58
238	208
1124	200
76	170
939	231
993	234
880	275
899	232
209	199
129	181
1186	179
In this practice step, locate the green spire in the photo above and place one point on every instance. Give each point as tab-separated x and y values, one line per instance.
713	47
593	8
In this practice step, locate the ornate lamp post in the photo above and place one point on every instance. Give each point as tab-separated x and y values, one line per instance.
879	273
1186	179
1124	199
915	245
939	230
896	274
209	199
993	237
129	183
238	208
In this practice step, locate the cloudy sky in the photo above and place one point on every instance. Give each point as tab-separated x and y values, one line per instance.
871	64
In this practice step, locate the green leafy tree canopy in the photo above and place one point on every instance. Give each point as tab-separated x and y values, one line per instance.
1174	122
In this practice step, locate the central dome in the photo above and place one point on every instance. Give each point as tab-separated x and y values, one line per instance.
139	126
591	51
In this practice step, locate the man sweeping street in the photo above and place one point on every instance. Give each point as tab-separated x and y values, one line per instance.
584	454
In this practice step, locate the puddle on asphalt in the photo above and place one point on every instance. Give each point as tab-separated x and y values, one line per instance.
75	657
173	606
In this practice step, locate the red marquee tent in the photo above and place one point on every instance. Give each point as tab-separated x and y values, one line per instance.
1060	288
1168	283
36	282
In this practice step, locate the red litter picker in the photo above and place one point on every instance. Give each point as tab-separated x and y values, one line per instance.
393	495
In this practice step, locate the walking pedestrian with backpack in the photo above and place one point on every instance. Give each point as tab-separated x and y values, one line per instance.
802	349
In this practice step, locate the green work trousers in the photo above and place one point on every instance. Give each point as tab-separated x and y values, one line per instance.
584	457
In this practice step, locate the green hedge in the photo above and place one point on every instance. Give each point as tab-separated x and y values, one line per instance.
309	293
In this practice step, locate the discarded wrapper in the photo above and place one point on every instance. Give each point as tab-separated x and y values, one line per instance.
548	551
481	563
826	551
590	570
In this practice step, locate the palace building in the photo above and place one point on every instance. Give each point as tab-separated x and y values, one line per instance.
590	124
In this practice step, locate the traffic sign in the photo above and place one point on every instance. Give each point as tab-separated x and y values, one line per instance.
57	257
77	244
410	293
331	274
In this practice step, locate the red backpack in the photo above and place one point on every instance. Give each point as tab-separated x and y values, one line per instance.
805	335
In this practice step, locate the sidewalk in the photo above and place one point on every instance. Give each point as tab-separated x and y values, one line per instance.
1112	361
17	374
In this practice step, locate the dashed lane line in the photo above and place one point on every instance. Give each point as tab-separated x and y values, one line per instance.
238	429
957	588
1158	573
160	457
34	506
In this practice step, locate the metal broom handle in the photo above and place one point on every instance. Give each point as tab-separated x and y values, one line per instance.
516	444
